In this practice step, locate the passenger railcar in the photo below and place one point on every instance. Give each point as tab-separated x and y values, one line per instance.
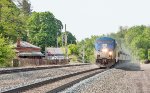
108	52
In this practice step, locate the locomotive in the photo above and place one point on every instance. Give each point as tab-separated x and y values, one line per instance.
108	52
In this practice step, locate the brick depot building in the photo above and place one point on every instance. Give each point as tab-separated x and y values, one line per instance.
28	53
27	50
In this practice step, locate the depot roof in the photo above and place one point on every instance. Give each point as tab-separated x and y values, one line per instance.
30	54
25	44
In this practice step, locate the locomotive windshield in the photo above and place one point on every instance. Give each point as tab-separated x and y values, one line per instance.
105	42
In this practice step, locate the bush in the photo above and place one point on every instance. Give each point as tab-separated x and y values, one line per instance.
73	50
73	58
142	53
6	53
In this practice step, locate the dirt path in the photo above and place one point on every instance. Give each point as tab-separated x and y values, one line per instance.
140	79
144	78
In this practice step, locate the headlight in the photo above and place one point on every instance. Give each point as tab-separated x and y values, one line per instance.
105	50
110	53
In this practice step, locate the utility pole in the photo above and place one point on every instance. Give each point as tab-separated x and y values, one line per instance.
66	47
62	38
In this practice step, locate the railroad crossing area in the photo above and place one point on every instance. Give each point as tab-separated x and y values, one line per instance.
77	78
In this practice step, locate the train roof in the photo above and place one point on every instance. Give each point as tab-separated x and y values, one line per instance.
105	38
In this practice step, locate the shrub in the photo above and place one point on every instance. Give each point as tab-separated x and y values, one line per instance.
6	53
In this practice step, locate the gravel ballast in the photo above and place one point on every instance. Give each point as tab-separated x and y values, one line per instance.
57	86
124	78
10	81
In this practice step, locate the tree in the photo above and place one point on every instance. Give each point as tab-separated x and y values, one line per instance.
6	52
11	25
132	33
71	39
44	29
25	12
136	39
73	49
88	45
25	6
142	53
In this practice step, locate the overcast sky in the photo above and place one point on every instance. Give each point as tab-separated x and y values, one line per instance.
95	17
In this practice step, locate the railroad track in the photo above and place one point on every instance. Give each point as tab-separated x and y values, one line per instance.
9	71
56	84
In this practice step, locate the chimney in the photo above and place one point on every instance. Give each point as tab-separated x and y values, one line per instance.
19	42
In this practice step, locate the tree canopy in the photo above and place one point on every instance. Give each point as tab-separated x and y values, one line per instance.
135	39
11	24
39	28
71	39
43	29
138	40
87	46
24	6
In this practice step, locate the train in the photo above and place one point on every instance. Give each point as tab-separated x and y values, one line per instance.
108	52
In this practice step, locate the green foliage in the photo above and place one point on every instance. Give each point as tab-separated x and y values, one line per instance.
43	29
73	58
88	45
149	54
73	49
133	33
25	6
142	53
136	39
6	53
25	12
71	39
11	24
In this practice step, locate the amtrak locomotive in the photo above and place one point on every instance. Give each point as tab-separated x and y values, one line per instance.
108	52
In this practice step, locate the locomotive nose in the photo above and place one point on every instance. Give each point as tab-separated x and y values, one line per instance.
110	53
105	50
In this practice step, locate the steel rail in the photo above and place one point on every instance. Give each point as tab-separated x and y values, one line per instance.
69	84
16	70
41	83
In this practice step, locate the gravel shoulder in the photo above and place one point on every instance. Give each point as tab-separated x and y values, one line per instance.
124	78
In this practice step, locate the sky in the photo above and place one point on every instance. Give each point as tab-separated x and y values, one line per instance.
85	18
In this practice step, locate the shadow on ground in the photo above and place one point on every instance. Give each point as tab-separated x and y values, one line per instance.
128	66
